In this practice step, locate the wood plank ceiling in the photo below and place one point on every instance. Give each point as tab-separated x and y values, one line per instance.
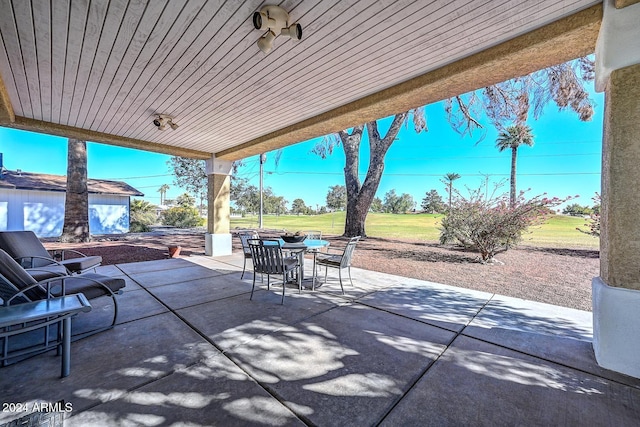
109	66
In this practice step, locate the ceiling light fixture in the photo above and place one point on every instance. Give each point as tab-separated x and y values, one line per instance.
275	20
161	121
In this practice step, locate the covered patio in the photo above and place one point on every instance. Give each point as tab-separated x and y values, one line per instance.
191	348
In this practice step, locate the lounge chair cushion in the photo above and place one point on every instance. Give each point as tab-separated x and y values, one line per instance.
85	283
23	245
15	274
83	263
329	259
47	272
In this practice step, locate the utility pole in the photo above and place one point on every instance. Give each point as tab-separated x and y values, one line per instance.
263	159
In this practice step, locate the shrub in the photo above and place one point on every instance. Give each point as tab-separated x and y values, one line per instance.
182	217
490	225
141	216
594	219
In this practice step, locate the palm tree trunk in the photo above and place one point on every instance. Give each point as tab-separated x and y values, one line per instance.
76	204
512	195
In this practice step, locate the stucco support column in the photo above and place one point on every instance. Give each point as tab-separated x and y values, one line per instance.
616	293
218	237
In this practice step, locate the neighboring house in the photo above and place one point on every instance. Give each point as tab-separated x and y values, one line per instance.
32	201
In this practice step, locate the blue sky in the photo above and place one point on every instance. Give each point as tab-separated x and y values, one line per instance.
565	160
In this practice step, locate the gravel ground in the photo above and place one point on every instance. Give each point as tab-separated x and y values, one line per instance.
550	275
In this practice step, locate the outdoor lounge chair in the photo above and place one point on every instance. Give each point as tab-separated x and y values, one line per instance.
268	259
18	286
245	236
339	261
26	248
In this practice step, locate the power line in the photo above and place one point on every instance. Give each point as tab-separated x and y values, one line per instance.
494	157
435	174
142	177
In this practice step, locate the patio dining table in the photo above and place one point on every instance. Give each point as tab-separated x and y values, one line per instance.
308	245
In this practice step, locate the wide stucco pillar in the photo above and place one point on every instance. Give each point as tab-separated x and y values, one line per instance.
218	237
616	293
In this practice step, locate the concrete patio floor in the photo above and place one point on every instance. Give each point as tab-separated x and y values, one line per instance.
190	348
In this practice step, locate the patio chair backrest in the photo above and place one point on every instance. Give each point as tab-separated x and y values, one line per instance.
348	252
23	245
267	256
14	278
245	236
313	235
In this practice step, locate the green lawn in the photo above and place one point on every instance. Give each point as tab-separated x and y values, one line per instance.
558	231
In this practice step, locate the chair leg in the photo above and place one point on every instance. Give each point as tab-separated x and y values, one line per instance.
284	285
340	276
313	283
253	287
349	270
244	267
83	335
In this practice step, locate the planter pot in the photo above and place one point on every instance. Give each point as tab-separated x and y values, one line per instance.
174	251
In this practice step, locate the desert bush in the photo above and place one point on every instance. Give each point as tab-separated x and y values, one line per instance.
182	217
141	215
594	218
489	224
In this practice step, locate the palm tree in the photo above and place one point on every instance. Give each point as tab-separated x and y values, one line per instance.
163	193
513	137
76	205
448	180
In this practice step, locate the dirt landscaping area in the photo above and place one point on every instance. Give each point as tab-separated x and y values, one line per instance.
554	276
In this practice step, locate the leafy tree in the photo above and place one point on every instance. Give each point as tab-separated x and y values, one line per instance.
185	200
377	205
275	204
512	138
575	209
141	215
298	207
163	193
76	204
248	199
492	224
511	101
397	204
190	174
507	102
337	197
432	202
390	199
272	204
360	195
448	181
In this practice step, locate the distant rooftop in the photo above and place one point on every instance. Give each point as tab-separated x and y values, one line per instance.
44	182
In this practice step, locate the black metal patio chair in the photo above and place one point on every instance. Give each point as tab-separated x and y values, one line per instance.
339	261
245	236
268	259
